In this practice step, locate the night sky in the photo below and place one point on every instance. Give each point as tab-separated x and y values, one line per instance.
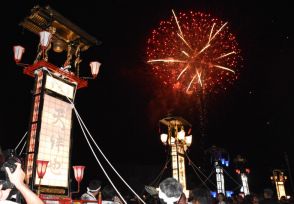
123	106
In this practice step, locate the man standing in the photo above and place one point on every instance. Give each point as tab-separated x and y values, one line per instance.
170	191
268	197
92	191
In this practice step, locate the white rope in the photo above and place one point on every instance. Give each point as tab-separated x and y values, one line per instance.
21	140
23	147
194	166
84	126
79	120
108	161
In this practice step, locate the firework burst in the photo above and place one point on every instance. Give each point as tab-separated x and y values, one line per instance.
194	51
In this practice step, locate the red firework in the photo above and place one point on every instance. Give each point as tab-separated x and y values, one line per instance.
194	51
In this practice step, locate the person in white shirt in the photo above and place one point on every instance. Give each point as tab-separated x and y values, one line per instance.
92	191
170	191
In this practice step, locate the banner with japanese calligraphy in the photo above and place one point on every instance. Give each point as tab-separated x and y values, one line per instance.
54	141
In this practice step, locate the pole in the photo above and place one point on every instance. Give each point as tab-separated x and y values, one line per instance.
289	171
39	187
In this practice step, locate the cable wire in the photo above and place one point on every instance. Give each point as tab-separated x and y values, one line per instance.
158	177
193	167
106	158
21	140
82	124
109	179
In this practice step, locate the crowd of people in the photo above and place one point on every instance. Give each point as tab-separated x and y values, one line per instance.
170	191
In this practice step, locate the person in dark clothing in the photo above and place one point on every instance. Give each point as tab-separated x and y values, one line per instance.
268	197
201	196
109	196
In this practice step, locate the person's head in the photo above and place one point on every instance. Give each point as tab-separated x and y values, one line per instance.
170	191
268	193
221	197
283	199
94	187
201	196
255	199
183	199
240	197
108	193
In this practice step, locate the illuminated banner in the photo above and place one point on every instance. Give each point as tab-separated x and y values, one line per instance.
54	141
59	87
50	133
178	164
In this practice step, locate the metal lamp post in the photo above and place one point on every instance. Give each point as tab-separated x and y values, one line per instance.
79	174
279	180
219	158
54	92
243	171
177	136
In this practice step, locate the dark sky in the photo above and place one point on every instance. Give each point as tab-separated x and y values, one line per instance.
122	107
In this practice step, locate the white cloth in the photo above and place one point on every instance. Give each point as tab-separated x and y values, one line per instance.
168	200
88	196
107	202
7	202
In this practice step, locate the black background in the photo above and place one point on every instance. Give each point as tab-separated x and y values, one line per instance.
122	107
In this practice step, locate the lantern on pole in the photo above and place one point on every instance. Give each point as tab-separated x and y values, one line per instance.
41	170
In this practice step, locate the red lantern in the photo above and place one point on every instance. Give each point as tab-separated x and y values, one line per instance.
238	171
41	168
79	173
18	51
95	68
45	39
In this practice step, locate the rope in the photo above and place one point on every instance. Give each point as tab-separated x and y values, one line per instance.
21	140
23	147
79	120
154	182
107	159
193	167
232	178
81	123
206	178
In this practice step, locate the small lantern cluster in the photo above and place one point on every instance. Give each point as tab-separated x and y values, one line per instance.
42	167
179	136
238	171
45	40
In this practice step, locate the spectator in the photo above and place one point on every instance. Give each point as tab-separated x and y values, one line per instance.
255	199
268	197
170	191
92	191
183	199
201	196
283	200
109	196
17	179
221	198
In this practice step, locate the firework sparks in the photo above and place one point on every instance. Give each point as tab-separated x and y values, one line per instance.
194	50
